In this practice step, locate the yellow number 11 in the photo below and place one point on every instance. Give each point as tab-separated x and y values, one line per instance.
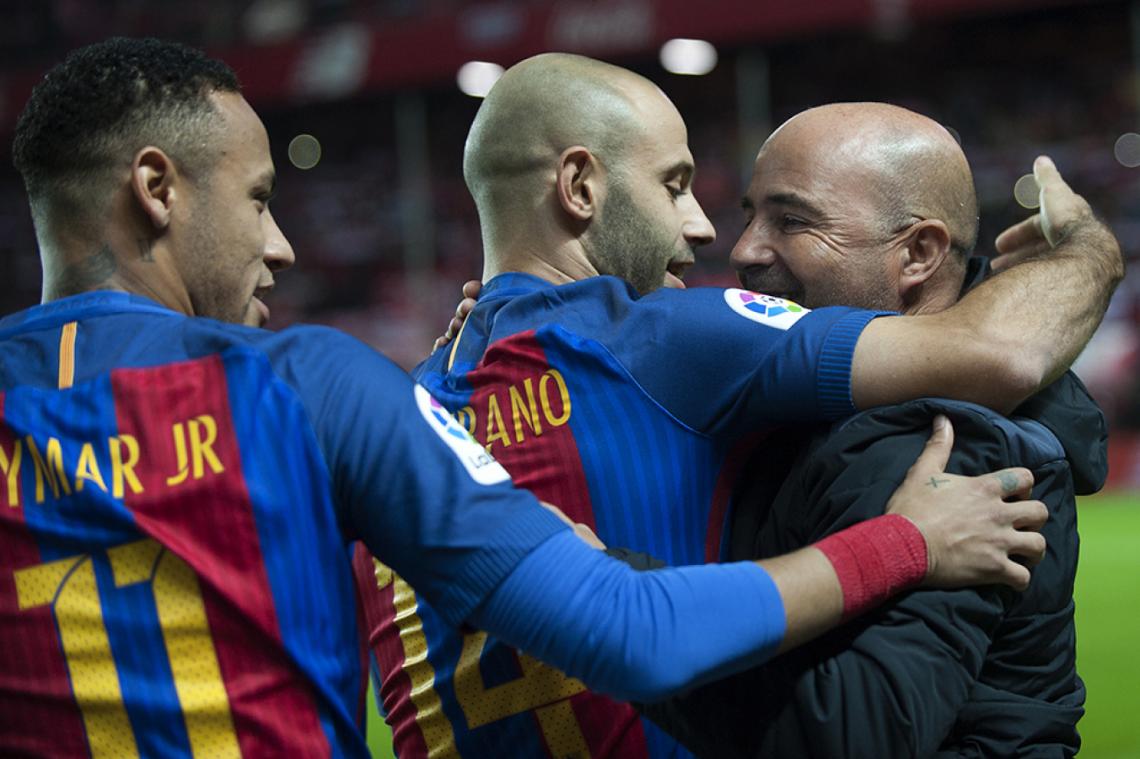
69	587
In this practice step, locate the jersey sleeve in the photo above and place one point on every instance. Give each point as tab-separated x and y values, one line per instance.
721	360
408	480
635	635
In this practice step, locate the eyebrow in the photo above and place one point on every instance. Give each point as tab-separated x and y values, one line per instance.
787	199
683	168
269	181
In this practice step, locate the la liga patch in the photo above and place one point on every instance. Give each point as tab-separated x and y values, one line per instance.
479	464
764	309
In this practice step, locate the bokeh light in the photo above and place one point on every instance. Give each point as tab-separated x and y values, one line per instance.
1026	192
691	57
304	151
1127	150
476	78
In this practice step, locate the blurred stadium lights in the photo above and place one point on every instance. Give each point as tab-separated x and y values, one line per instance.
691	57
1127	149
475	78
1026	192
304	151
270	21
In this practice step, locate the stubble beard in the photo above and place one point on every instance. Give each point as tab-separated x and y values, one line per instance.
627	245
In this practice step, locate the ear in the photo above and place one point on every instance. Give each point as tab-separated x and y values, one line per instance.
923	252
579	182
153	180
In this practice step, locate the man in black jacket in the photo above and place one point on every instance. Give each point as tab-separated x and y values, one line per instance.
872	205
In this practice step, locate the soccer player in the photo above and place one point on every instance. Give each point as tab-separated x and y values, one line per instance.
633	409
180	494
974	672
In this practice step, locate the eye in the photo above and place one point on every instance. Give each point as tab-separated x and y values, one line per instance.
789	223
676	190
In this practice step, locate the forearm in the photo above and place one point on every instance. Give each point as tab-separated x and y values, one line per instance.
1044	310
635	636
1008	337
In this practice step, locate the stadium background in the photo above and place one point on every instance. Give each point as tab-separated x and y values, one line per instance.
385	233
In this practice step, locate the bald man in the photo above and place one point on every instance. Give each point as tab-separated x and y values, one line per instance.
835	192
596	388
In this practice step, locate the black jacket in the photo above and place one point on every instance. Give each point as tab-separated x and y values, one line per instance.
979	672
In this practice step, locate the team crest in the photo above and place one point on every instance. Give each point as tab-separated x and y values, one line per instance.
480	465
765	309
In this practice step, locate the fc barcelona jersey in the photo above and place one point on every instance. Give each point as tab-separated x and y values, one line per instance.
631	414
179	499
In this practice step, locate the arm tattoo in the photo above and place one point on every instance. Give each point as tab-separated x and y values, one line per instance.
87	273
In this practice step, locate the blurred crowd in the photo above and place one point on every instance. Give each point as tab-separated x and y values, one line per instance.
1060	81
35	31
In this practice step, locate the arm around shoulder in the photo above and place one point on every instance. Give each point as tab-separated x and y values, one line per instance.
1014	333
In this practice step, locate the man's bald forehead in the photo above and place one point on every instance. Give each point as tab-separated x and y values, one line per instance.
912	161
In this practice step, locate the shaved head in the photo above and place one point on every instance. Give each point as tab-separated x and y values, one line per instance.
912	167
859	204
580	168
538	108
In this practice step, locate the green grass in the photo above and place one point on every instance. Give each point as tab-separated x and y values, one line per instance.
379	736
1108	624
1108	631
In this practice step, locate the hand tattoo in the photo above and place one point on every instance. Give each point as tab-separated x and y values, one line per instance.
1008	482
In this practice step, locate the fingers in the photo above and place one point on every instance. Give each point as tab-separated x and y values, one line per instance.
1046	174
583	531
472	288
934	456
1013	258
557	512
1014	483
588	536
1060	206
1030	546
1015	575
1027	515
1024	234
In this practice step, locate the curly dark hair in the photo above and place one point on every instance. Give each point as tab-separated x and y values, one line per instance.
106	101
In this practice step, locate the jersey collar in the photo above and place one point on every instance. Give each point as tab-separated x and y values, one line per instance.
77	307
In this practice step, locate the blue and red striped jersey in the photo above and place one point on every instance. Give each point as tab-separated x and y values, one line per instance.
179	500
633	415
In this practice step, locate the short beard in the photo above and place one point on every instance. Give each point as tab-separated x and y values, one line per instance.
627	245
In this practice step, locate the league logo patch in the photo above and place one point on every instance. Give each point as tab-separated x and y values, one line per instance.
480	465
765	309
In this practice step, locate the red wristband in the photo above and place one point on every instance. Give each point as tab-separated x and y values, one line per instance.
874	560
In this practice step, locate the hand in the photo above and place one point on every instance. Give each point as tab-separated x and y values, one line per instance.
471	290
581	530
973	525
1061	209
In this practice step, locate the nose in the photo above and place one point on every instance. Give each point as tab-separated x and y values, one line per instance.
278	252
698	230
752	249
